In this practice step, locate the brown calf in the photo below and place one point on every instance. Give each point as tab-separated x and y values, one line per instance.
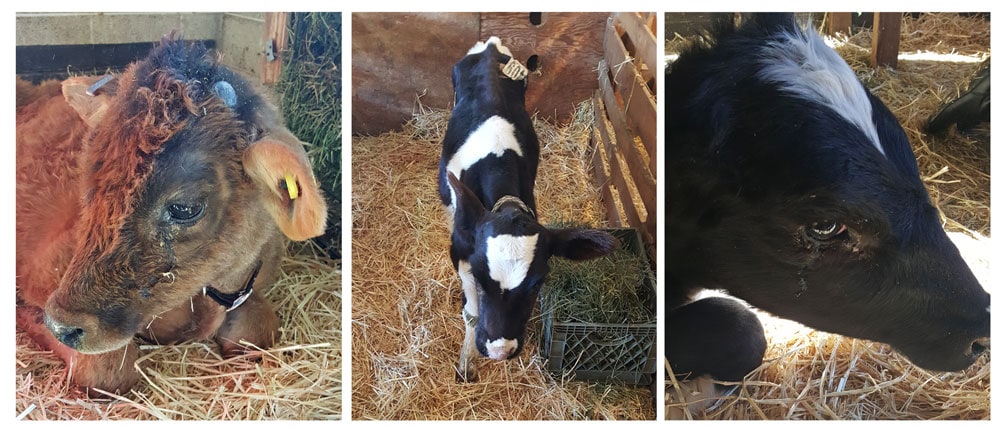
152	205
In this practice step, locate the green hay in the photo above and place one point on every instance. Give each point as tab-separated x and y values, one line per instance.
310	89
610	289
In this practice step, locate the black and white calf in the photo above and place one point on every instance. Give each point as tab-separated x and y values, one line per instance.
791	186
489	160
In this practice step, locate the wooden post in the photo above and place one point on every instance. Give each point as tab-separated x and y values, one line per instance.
838	22
885	38
274	43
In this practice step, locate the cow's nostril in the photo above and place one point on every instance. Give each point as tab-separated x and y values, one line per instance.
979	346
70	336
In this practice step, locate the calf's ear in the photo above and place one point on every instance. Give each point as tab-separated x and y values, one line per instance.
292	195
468	208
90	106
581	244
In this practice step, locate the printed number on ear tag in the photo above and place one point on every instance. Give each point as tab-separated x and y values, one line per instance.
515	70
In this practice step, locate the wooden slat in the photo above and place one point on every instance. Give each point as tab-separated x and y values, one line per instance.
885	38
649	20
600	173
645	181
640	105
838	22
617	178
642	37
276	29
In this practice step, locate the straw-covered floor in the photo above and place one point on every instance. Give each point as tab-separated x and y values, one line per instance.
298	378
406	297
815	375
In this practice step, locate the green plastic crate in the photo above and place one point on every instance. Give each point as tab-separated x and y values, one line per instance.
600	351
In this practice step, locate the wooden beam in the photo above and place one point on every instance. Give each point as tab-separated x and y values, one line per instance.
617	178
838	22
275	36
885	38
641	36
600	173
644	181
640	105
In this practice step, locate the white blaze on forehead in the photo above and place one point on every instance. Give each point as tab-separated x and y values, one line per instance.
806	67
493	137
480	47
500	348
509	258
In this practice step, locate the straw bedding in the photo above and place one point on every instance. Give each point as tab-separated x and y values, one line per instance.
815	375
406	297
299	378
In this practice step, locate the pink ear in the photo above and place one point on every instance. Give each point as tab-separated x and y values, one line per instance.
91	108
295	203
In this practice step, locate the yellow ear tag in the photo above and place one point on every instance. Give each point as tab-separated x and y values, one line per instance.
293	188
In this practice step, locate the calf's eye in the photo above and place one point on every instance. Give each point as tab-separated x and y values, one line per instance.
825	230
185	213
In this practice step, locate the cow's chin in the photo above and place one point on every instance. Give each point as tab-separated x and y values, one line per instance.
104	345
94	339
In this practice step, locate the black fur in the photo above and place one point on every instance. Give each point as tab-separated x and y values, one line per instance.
751	170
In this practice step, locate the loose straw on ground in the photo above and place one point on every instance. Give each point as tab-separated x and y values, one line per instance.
814	375
297	379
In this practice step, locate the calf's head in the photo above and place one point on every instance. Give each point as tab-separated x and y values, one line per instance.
506	251
793	187
185	177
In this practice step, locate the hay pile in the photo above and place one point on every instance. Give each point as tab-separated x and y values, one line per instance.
406	297
815	375
299	378
610	289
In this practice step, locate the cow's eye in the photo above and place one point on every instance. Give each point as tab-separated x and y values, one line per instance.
825	230
185	212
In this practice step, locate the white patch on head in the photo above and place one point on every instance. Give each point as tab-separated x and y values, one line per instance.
509	258
477	48
500	348
480	47
806	67
493	137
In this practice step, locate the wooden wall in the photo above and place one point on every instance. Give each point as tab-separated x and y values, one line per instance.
400	57
624	136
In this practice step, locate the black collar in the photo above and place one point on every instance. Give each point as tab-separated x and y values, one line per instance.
233	300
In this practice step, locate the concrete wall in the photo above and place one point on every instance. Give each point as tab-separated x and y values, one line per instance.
240	40
101	28
237	36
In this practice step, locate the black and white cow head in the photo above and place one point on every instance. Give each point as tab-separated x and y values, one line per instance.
793	187
486	181
506	252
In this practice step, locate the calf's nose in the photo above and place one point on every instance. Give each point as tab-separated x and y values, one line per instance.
69	335
979	346
501	348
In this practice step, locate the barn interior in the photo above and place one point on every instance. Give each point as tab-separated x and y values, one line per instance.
809	374
406	297
296	60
